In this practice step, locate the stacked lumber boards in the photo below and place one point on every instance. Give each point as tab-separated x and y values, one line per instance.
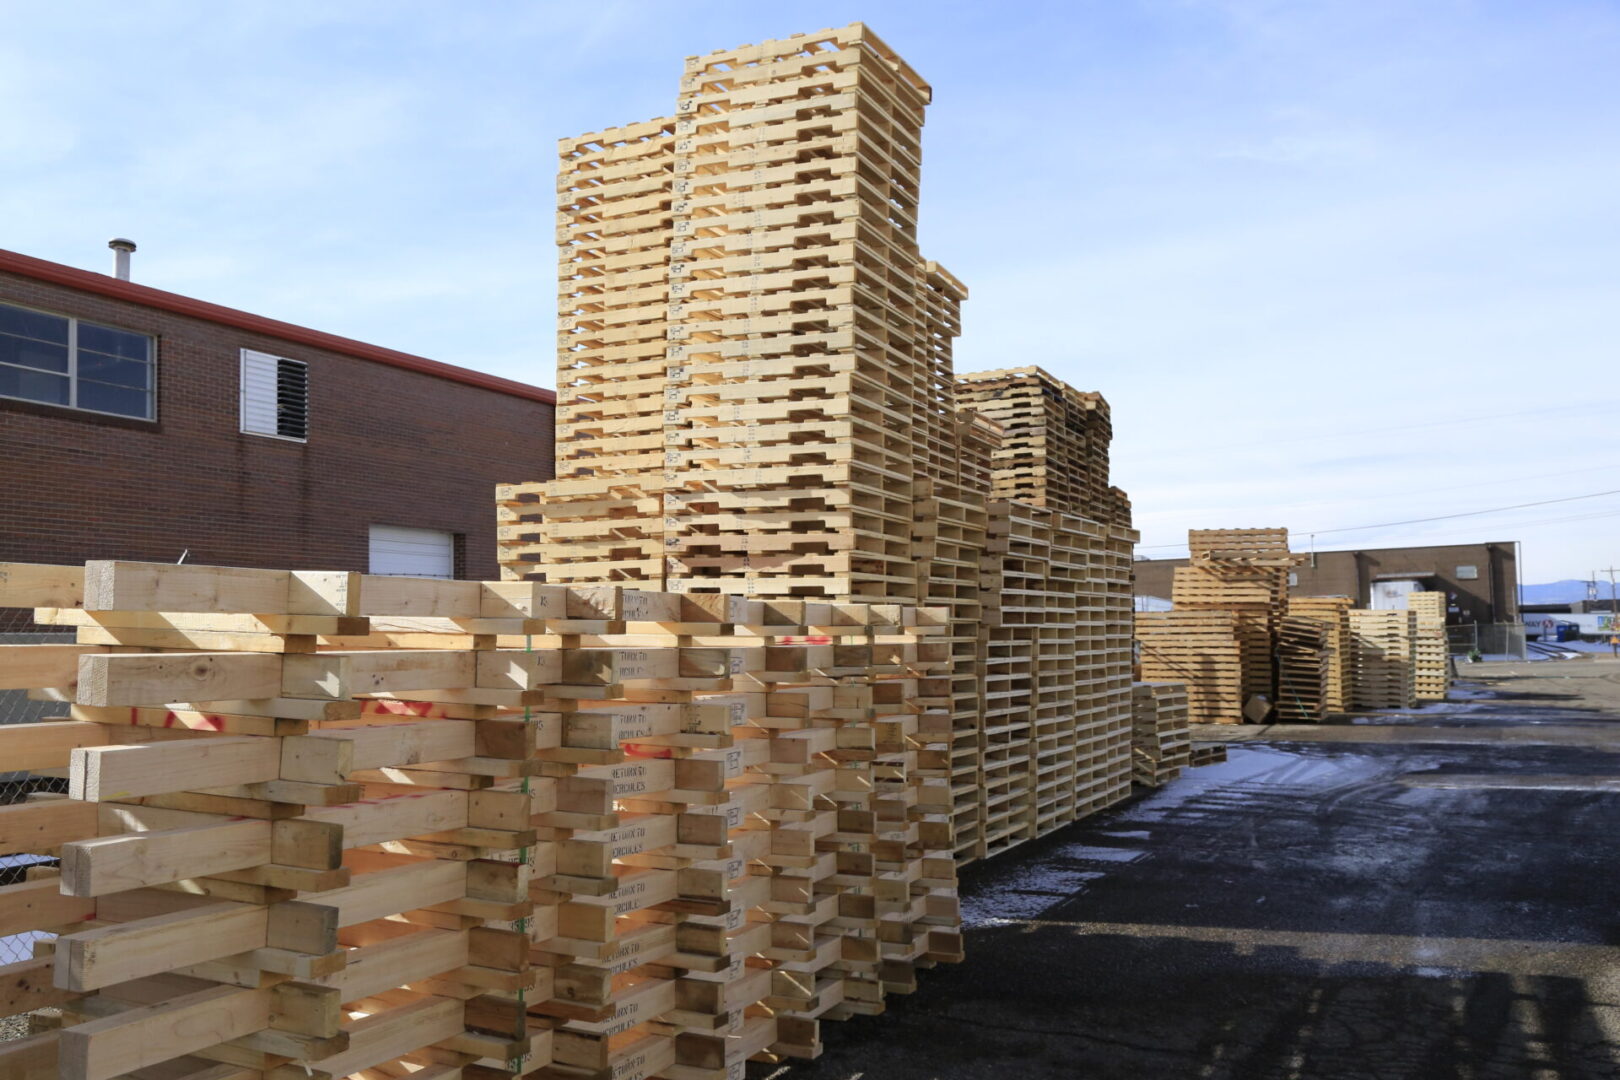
1333	613
1054	453
1303	663
1161	742
1207	753
1199	649
1431	649
324	824
1382	641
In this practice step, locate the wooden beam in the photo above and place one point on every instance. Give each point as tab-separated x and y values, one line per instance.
49	745
114	863
39	905
345	674
518	669
327	755
189	587
522	600
28	985
32	1057
393	1032
410	958
104	1048
34	585
388	595
41	827
161	678
101	773
113	954
213	622
182	718
28	667
408	885
395	817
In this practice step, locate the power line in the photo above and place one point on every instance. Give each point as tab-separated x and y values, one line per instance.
1271	441
1420	521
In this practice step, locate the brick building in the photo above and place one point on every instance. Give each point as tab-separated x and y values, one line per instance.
1480	580
140	424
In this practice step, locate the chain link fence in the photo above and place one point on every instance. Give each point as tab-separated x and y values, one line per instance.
16	707
1492	641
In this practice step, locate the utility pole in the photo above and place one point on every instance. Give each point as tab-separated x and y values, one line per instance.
1614	617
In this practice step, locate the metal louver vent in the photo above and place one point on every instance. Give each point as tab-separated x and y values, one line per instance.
275	396
292	399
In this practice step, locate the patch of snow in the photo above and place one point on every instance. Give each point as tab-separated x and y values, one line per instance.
1024	893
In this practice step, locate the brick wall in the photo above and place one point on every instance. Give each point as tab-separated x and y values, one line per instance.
386	446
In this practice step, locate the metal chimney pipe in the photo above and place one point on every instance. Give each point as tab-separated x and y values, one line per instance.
121	251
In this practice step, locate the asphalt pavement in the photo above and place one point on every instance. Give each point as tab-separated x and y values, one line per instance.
1416	904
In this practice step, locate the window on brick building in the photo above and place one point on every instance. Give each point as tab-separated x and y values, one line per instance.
275	396
59	360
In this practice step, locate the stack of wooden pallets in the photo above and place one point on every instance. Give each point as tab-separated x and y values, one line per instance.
322	824
752	369
1200	650
1382	641
1161	745
1332	612
1431	649
1055	449
1014	605
1303	669
949	529
757	397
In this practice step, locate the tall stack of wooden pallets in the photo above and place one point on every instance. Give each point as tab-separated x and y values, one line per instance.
1382	641
364	823
1431	651
757	397
604	515
950	519
754	379
1333	613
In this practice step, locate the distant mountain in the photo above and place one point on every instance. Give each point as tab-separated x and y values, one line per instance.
1559	592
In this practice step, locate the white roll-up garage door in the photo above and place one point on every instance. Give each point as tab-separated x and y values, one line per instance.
396	549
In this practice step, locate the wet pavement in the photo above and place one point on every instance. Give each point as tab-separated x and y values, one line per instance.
1415	906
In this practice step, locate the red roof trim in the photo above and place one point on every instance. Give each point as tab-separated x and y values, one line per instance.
73	278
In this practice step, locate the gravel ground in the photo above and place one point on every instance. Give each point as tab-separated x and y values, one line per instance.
13	1027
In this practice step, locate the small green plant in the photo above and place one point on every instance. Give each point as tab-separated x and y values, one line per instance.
1474	656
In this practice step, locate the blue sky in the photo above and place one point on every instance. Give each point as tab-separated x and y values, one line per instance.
1332	263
